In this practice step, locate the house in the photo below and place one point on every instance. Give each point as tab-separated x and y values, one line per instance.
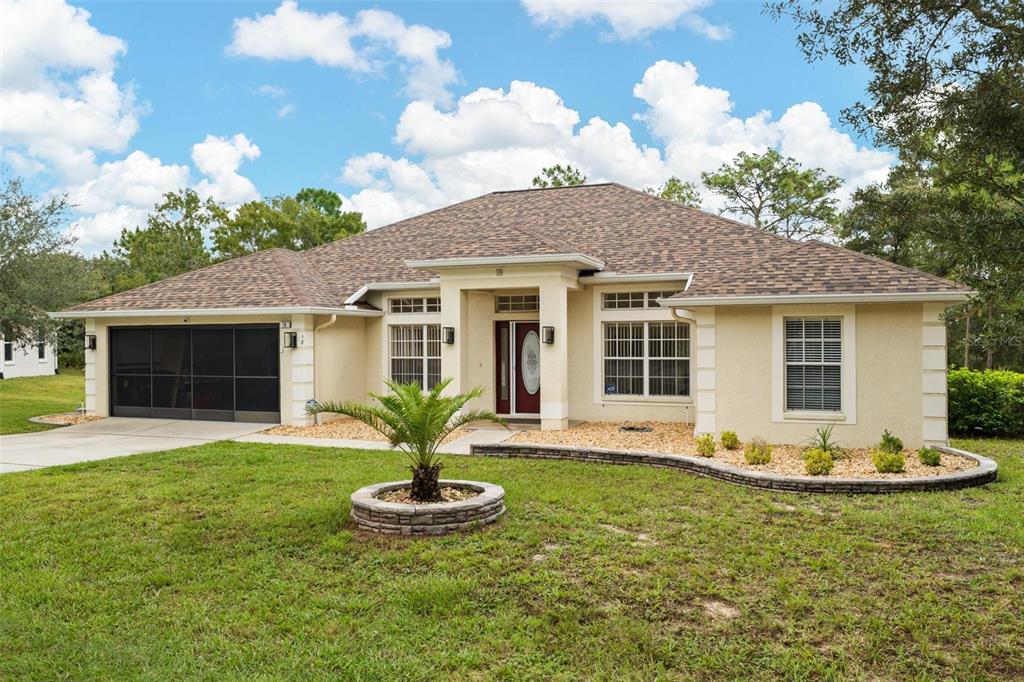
27	360
595	302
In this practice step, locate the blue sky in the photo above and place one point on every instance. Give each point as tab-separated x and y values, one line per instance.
316	94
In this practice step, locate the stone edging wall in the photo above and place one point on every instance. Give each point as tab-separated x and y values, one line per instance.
378	516
985	472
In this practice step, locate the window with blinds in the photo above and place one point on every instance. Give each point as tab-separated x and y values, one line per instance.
814	363
647	358
416	354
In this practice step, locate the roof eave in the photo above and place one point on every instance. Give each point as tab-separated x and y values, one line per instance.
582	260
391	286
624	278
349	310
951	297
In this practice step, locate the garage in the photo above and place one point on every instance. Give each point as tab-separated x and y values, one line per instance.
213	372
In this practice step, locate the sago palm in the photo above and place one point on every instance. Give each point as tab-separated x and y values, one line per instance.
416	422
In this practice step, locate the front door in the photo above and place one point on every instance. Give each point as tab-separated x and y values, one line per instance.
517	354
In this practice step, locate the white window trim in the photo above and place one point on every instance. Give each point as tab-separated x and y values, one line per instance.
600	316
426	358
848	313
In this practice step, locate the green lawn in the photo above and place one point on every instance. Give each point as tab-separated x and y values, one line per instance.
235	561
26	397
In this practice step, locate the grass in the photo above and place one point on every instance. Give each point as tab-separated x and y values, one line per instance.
235	561
26	397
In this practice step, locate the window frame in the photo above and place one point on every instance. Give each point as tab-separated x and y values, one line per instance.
848	372
646	358
430	337
647	299
804	342
517	303
417	305
9	352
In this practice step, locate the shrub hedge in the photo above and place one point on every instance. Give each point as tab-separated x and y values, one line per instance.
986	403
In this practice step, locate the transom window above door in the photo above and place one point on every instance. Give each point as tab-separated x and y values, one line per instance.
526	303
414	305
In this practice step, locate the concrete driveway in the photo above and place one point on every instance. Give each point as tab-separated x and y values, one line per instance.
112	437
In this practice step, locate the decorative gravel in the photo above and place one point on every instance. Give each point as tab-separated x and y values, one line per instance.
676	438
66	419
348	429
448	494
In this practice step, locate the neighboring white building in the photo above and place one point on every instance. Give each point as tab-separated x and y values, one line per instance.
33	360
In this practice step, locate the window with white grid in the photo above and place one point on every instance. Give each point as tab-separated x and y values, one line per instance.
626	300
647	358
416	354
526	303
814	363
414	305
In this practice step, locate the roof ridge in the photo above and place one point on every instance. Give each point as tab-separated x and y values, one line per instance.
288	271
542	189
795	246
897	266
719	216
254	254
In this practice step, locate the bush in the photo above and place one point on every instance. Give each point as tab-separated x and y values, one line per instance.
818	462
929	457
822	440
888	462
705	445
988	403
730	441
757	452
890	443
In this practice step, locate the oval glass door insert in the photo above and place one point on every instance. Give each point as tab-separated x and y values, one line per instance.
530	362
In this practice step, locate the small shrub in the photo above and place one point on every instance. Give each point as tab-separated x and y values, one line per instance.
705	445
888	462
730	441
929	457
758	451
890	443
818	462
822	440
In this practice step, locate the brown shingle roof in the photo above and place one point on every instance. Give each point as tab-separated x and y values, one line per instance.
631	232
812	267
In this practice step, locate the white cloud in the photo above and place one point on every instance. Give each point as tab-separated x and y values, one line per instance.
58	95
627	20
270	91
496	139
120	196
219	158
284	111
366	43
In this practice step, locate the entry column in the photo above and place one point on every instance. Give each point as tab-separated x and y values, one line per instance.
554	357
454	357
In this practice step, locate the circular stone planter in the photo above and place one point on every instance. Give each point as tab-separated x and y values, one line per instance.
436	518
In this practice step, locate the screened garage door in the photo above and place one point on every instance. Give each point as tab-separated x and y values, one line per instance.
225	373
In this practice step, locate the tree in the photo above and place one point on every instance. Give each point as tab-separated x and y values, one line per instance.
311	218
947	91
559	176
173	241
38	271
416	422
776	194
674	189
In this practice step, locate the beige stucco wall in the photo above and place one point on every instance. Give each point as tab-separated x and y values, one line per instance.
888	376
340	359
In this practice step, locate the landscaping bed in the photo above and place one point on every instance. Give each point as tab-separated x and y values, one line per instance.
64	419
676	438
345	429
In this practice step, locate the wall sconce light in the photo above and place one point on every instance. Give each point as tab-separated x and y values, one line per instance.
291	340
448	335
90	342
547	334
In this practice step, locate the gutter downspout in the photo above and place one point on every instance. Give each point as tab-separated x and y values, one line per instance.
331	320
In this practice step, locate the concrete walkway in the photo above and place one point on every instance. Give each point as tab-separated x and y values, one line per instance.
459	446
111	437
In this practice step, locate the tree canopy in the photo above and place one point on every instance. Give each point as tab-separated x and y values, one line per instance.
38	270
674	189
312	217
776	194
559	176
